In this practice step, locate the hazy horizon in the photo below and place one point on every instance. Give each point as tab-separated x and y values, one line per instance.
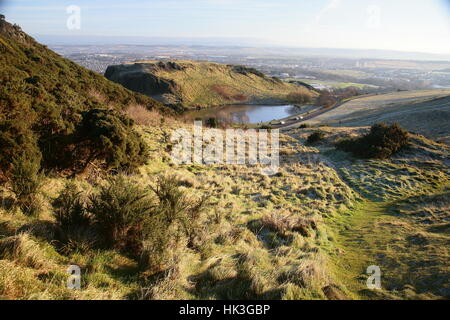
249	45
340	24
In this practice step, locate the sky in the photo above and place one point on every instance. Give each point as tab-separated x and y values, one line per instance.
404	25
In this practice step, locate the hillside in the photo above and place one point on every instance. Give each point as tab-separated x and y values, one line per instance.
197	231
43	97
426	112
308	232
28	66
203	84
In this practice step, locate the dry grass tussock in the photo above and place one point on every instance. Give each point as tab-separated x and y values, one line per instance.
23	250
282	222
142	116
145	117
100	97
310	272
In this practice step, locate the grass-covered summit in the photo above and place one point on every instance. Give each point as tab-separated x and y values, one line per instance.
204	84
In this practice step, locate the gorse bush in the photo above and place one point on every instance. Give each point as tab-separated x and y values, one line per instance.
76	230
316	137
103	136
380	143
15	139
145	223
108	135
120	208
300	97
173	202
212	123
26	182
176	205
175	217
69	209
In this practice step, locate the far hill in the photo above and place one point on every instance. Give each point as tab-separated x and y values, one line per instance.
44	98
203	84
425	111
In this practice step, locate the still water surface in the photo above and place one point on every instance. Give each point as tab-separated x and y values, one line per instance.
244	113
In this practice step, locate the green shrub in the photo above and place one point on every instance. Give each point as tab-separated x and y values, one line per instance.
76	231
69	209
300	97
212	123
120	209
380	143
175	217
265	127
108	135
26	182
129	218
15	139
316	137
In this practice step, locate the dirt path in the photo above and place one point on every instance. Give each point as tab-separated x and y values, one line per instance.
413	262
353	238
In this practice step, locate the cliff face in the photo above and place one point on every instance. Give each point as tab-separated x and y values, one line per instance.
139	77
204	84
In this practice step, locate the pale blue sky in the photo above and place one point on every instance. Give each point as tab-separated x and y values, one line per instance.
410	25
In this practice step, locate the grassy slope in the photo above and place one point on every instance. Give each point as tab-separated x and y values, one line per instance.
374	102
426	112
207	84
247	248
239	258
399	223
241	255
412	257
39	83
339	85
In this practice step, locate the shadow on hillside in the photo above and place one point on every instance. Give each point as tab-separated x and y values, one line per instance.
239	287
6	202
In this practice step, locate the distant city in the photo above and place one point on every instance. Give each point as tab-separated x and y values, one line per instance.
319	70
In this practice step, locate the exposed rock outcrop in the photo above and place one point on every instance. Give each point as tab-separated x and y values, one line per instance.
138	77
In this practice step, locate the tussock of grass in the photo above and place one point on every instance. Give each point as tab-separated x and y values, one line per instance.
24	250
310	272
143	116
282	223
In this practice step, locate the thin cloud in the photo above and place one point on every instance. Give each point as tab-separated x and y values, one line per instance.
331	5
